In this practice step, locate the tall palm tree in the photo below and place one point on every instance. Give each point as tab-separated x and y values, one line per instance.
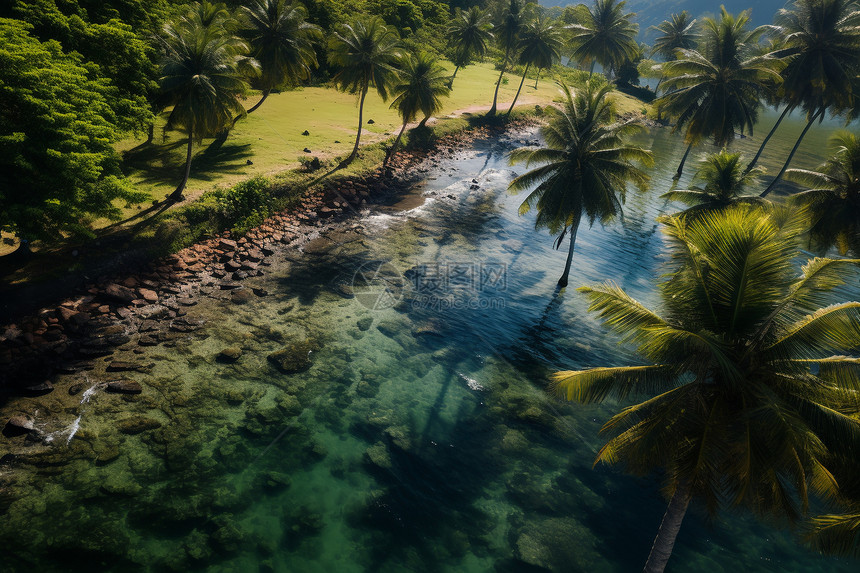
365	52
745	375
282	41
539	45
833	200
724	183
469	35
421	84
605	34
201	77
677	33
821	46
584	169
716	90
507	32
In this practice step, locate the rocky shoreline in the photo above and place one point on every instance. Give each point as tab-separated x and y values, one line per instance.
121	314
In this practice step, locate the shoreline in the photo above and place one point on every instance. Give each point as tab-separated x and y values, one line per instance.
125	311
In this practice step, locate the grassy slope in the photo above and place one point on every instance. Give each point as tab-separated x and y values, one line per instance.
271	139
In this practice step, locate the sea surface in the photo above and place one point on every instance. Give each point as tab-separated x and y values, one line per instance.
419	438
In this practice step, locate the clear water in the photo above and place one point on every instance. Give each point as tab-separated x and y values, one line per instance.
424	442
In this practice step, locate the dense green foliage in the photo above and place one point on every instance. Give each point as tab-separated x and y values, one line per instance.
57	163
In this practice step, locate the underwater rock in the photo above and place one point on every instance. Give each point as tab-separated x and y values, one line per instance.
230	354
365	323
39	389
431	327
18	426
294	357
119	293
344	290
378	455
124	387
391	328
557	544
137	424
276	481
121	366
76	389
241	296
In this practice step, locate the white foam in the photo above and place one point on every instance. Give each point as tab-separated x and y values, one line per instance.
471	382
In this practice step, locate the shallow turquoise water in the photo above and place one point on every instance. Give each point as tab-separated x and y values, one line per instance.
422	442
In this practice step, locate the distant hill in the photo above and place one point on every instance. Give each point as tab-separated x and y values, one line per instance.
652	12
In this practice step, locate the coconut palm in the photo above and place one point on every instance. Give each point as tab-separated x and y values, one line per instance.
201	77
716	90
469	35
839	533
745	370
724	183
821	46
507	32
833	200
677	33
419	89
584	169
539	45
365	52
605	34
282	41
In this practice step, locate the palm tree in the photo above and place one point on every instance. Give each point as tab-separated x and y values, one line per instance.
419	89
201	77
282	41
585	167
507	33
469	35
676	33
716	90
724	184
821	45
745	372
604	35
365	52
539	45
833	200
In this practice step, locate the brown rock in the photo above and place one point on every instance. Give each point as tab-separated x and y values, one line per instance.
120	293
137	424
124	387
227	245
148	295
18	425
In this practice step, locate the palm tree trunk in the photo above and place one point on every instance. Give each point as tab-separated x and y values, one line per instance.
683	161
591	70
538	77
394	146
354	153
793	151
150	135
562	282
258	104
669	527
766	139
513	103
423	122
492	111
454	75
177	194
660	81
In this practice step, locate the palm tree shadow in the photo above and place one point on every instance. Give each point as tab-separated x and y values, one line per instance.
161	164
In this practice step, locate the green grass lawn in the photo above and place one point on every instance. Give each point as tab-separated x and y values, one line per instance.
270	140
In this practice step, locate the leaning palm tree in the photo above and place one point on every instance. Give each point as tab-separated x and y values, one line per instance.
507	32
745	371
469	36
539	45
716	90
821	45
833	200
419	89
724	183
605	35
202	78
584	169
365	52
282	41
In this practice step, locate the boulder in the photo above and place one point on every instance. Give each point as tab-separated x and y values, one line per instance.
137	424
148	295
230	354
294	357
120	293
124	387
18	425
